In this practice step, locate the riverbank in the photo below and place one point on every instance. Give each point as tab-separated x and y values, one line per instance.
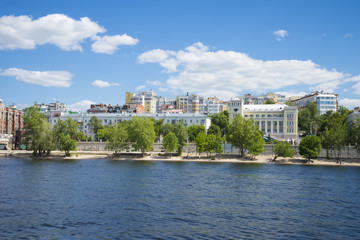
159	156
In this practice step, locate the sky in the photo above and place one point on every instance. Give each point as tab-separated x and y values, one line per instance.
83	52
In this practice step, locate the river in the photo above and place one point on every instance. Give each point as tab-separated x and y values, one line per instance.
108	199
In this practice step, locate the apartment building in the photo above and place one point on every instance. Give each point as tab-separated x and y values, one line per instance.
261	99
324	101
277	120
11	122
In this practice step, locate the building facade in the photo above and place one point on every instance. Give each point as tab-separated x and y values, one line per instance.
324	101
110	118
11	123
277	120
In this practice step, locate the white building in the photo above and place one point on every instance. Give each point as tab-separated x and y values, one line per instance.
277	120
324	101
109	118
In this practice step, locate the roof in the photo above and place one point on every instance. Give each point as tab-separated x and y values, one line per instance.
266	108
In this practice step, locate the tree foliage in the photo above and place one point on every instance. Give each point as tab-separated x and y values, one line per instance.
309	119
200	141
283	149
194	130
269	101
95	125
310	147
66	133
221	120
243	134
354	134
170	142
141	133
38	134
117	137
257	145
182	136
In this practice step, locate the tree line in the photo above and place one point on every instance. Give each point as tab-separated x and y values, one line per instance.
331	131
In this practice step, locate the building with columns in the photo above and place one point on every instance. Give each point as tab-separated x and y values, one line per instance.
277	120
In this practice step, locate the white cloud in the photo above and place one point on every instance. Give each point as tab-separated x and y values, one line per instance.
46	78
25	33
356	88
227	73
103	84
154	83
280	34
22	32
80	106
109	44
349	103
140	87
348	35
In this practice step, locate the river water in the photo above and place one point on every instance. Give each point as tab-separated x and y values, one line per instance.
106	199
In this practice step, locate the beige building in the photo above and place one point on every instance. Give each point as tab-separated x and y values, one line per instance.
277	120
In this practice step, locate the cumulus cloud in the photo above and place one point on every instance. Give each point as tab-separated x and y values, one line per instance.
349	103
103	84
356	88
348	35
280	34
140	87
80	106
226	73
109	44
23	32
45	78
154	83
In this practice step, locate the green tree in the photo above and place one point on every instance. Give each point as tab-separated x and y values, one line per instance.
200	141
166	129
289	103
354	134
95	124
309	119
66	133
327	141
38	133
222	121
141	133
181	134
310	147
283	149
82	136
340	138
214	144
269	101
257	145
157	126
214	129
117	138
170	142
242	133
194	130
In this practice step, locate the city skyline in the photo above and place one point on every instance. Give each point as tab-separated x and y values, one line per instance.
81	53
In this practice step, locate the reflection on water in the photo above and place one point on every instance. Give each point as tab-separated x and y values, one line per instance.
108	199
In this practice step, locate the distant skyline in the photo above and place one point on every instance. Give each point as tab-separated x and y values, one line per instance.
83	52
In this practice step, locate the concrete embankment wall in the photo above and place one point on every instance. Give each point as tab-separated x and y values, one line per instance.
348	152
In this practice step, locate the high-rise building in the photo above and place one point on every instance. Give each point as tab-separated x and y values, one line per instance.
324	101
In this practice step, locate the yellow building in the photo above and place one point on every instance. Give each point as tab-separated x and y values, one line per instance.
277	120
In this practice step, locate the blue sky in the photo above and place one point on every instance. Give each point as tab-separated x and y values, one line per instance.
79	52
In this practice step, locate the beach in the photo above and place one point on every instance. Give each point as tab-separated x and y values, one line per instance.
160	156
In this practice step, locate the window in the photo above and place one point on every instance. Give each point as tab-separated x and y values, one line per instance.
246	115
263	115
269	115
251	115
257	115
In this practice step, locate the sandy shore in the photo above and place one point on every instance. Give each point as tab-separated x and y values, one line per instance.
262	159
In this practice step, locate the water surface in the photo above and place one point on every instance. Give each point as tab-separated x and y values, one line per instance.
105	199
